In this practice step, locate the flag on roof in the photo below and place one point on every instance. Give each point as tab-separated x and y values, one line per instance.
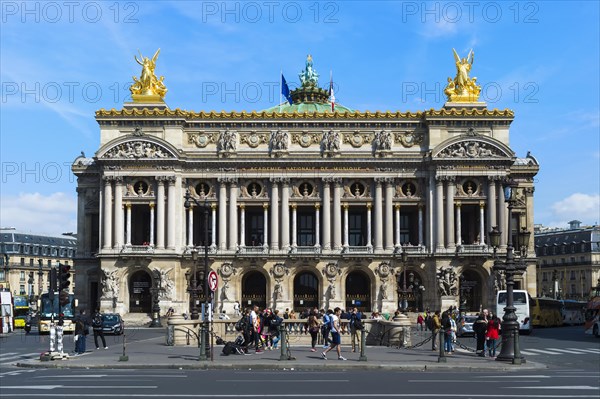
285	90
331	94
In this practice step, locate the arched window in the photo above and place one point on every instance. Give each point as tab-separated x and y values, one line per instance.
358	291
306	291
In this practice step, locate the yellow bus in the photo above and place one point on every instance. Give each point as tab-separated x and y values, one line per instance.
546	312
20	310
49	311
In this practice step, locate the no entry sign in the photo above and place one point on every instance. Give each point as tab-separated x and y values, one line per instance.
213	281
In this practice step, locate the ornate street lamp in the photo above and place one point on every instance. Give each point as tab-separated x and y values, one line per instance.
40	277
204	328
511	267
403	291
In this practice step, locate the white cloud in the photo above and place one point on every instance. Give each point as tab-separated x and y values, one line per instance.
579	206
53	214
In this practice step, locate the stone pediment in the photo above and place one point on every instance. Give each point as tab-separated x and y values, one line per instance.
472	148
137	149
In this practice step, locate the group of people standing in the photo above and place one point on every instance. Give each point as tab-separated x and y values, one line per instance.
82	328
487	332
261	330
486	329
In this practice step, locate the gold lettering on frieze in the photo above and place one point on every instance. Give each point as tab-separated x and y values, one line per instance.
270	169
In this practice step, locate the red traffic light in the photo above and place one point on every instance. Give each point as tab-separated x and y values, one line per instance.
63	277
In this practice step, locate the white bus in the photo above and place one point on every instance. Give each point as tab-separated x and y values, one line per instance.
521	301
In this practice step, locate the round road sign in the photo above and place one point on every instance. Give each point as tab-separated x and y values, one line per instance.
213	280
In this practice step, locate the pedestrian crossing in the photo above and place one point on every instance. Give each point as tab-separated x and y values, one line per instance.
560	351
13	357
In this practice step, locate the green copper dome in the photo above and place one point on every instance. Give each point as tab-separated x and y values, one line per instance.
309	97
307	107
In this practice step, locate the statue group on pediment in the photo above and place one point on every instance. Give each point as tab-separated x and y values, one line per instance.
383	140
468	149
137	149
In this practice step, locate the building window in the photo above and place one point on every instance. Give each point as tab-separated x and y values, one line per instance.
357	232
21	276
306	229
2	275
572	260
572	274
49	263
30	262
22	262
22	289
544	276
36	250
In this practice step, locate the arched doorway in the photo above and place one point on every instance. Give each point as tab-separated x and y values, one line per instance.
358	291
410	291
306	291
140	299
471	289
254	290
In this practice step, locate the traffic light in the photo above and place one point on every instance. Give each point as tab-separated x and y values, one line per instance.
63	277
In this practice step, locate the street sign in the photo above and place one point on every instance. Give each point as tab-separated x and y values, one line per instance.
213	281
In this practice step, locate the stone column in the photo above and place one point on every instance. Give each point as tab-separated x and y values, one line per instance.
439	213
337	213
107	207
128	207
420	206
317	225
171	207
190	228
285	214
294	225
160	212
326	214
152	224
346	243
482	223
369	231
274	213
450	189
222	213
389	214
119	234
213	208
502	212
266	225
233	219
491	203
242	225
458	224
378	214
397	219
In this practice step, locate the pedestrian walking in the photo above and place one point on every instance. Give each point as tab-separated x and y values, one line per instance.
313	329
97	327
274	324
492	335
335	335
255	323
436	325
420	321
326	328
480	328
81	330
354	330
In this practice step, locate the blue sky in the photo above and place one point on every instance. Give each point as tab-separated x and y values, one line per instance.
61	61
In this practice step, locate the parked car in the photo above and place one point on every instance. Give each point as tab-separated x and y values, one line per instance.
112	323
465	326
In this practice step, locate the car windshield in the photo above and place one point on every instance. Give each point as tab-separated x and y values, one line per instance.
470	319
111	318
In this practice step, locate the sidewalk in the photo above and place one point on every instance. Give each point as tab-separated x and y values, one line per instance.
154	354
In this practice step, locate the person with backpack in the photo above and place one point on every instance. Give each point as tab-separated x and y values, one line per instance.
97	327
326	328
335	335
355	327
274	323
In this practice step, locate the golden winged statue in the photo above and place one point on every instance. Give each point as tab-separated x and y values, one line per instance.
463	89
148	88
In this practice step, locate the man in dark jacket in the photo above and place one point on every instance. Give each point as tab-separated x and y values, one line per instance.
97	327
480	327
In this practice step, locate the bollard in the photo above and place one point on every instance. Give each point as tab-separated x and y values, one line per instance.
363	340
518	359
283	342
202	355
124	357
442	357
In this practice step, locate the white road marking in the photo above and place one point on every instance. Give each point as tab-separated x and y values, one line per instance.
82	387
